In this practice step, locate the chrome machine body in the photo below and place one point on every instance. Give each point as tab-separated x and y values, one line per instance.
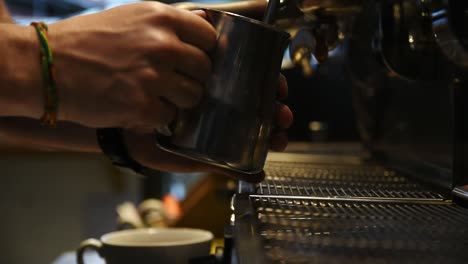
406	62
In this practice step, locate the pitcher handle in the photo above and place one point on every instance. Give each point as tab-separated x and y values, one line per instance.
88	243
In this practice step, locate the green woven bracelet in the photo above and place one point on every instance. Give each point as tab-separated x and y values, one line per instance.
48	75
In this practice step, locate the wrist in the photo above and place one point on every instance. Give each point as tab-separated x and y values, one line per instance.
21	91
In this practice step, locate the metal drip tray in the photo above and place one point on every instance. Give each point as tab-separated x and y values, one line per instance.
301	179
326	231
304	213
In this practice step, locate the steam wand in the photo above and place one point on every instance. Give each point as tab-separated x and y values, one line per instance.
271	11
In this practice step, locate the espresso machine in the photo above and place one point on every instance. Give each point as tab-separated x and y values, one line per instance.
402	197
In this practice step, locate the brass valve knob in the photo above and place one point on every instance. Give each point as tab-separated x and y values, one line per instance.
302	58
302	46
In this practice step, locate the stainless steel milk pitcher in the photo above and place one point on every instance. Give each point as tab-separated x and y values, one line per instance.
232	124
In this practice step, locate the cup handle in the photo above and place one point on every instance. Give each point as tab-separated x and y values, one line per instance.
88	243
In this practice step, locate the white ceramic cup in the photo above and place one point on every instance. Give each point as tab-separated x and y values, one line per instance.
153	245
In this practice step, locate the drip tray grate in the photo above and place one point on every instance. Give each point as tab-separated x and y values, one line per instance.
301	179
319	231
308	213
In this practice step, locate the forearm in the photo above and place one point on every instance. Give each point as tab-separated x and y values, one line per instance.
29	133
4	14
20	78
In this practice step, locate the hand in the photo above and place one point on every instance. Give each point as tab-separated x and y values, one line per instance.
143	147
130	66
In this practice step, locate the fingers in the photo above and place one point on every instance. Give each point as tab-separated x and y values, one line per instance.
279	141
191	28
171	53
282	88
252	9
192	62
284	116
179	90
